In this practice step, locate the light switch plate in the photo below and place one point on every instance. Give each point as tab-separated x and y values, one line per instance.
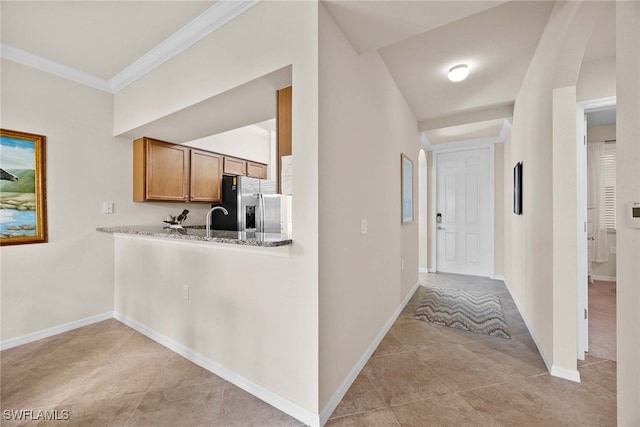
107	208
363	226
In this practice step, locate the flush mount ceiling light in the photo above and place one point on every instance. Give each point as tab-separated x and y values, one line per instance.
459	73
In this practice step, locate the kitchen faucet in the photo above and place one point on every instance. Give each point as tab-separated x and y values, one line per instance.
208	226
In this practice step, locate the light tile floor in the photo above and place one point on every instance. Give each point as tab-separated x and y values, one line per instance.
107	374
602	319
428	375
422	374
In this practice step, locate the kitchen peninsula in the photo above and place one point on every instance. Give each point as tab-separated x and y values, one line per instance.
229	303
198	234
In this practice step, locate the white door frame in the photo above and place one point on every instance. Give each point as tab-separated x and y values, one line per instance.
582	340
434	198
582	256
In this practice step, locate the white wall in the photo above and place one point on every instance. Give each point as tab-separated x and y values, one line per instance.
628	189
566	230
541	243
508	217
244	313
529	240
268	37
365	125
70	277
597	79
565	233
247	143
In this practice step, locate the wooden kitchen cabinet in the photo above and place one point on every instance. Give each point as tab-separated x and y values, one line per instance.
284	128
206	177
171	172
160	171
233	166
256	170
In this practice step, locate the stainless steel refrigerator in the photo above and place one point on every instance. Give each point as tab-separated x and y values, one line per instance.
253	205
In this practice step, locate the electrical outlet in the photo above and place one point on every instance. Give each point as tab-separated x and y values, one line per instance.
107	208
363	226
613	249
185	292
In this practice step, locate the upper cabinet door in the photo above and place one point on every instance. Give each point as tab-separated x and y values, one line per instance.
167	171
206	177
234	166
256	170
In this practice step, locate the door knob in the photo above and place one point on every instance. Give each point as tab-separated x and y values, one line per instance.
440	228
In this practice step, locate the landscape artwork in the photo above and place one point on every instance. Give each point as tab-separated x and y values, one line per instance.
22	188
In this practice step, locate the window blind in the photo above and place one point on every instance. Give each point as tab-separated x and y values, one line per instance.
608	187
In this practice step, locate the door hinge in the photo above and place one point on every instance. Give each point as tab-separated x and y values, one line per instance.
586	314
585	226
584	138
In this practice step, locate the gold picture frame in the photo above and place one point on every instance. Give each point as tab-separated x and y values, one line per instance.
23	195
406	185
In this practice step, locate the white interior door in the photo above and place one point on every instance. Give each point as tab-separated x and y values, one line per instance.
582	236
463	215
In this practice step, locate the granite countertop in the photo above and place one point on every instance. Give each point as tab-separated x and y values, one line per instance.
198	233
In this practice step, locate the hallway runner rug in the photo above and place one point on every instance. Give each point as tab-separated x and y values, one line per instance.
471	311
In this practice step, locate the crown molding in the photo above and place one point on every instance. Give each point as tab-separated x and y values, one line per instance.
39	63
504	132
222	12
425	141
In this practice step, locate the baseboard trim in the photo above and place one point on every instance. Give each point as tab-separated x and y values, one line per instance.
567	374
545	359
604	278
285	405
49	332
423	270
555	371
348	381
497	277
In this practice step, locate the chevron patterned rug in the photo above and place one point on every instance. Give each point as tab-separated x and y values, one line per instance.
471	311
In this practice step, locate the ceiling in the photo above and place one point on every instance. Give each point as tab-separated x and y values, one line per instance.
418	41
601	116
98	37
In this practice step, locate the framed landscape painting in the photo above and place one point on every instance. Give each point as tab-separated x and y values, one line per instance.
23	195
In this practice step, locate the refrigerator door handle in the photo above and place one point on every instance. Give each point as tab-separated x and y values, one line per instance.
261	216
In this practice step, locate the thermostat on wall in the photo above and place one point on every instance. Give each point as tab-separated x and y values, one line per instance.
633	214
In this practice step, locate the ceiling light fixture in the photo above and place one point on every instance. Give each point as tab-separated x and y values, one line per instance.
459	73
